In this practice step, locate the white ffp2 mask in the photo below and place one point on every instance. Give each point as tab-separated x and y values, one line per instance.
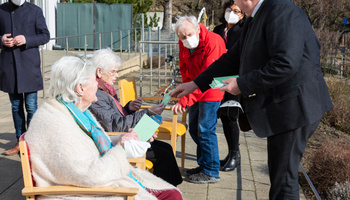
18	2
191	42
231	17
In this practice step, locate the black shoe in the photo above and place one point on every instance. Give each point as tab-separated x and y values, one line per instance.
201	178
232	163
224	161
196	170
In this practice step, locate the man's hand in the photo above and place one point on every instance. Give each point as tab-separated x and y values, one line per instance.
6	40
184	89
136	104
178	108
19	40
231	87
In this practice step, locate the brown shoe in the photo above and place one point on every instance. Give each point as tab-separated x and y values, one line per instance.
12	151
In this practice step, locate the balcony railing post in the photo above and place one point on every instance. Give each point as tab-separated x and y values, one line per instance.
112	40
85	47
99	40
121	43
129	43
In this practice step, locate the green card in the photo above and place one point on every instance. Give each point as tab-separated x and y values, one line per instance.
217	82
166	98
145	128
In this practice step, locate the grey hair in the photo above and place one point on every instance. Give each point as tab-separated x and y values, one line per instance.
179	24
66	74
106	59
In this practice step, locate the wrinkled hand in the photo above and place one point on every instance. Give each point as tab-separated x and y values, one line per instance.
136	104
157	109
231	87
19	40
184	89
154	136
178	108
7	40
126	137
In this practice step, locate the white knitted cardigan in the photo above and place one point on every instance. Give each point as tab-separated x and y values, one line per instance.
62	154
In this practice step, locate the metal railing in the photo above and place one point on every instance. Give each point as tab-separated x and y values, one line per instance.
164	48
134	32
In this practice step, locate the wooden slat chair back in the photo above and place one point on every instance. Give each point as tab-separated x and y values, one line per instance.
170	129
30	190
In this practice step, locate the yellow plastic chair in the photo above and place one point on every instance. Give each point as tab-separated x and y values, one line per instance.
170	129
30	190
142	162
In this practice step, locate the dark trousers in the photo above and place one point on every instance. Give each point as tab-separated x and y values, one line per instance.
231	130
164	162
18	115
284	154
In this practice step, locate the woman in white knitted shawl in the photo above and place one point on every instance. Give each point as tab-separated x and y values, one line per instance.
68	147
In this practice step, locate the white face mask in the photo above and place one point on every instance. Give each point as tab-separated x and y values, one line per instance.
191	42
18	2
231	17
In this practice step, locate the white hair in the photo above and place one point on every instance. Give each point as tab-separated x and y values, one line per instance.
106	59
179	24
66	74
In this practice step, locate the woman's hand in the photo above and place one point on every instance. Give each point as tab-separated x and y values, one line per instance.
135	105
127	136
157	109
154	136
178	108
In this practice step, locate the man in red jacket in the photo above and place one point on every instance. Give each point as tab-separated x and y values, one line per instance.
198	49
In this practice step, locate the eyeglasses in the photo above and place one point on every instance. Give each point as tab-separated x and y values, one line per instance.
112	72
234	10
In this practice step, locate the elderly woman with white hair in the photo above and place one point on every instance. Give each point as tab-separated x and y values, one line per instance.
69	147
113	117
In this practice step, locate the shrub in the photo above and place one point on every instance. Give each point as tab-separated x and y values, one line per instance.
329	164
155	61
339	116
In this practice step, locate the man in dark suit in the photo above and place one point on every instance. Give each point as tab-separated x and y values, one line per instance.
22	30
283	91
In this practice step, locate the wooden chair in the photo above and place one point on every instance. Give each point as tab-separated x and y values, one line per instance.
142	162
30	190
170	129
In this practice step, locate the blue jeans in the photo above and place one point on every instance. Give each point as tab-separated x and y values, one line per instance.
31	104
202	128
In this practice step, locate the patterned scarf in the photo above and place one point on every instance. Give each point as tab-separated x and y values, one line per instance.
107	88
89	126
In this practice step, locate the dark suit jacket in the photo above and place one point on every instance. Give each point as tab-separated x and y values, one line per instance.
278	61
20	66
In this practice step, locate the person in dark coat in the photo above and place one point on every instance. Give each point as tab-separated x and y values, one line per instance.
232	20
284	94
115	118
22	30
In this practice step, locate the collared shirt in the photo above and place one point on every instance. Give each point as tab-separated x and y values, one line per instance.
257	7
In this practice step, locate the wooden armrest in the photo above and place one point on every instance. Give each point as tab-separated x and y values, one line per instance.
114	133
79	190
